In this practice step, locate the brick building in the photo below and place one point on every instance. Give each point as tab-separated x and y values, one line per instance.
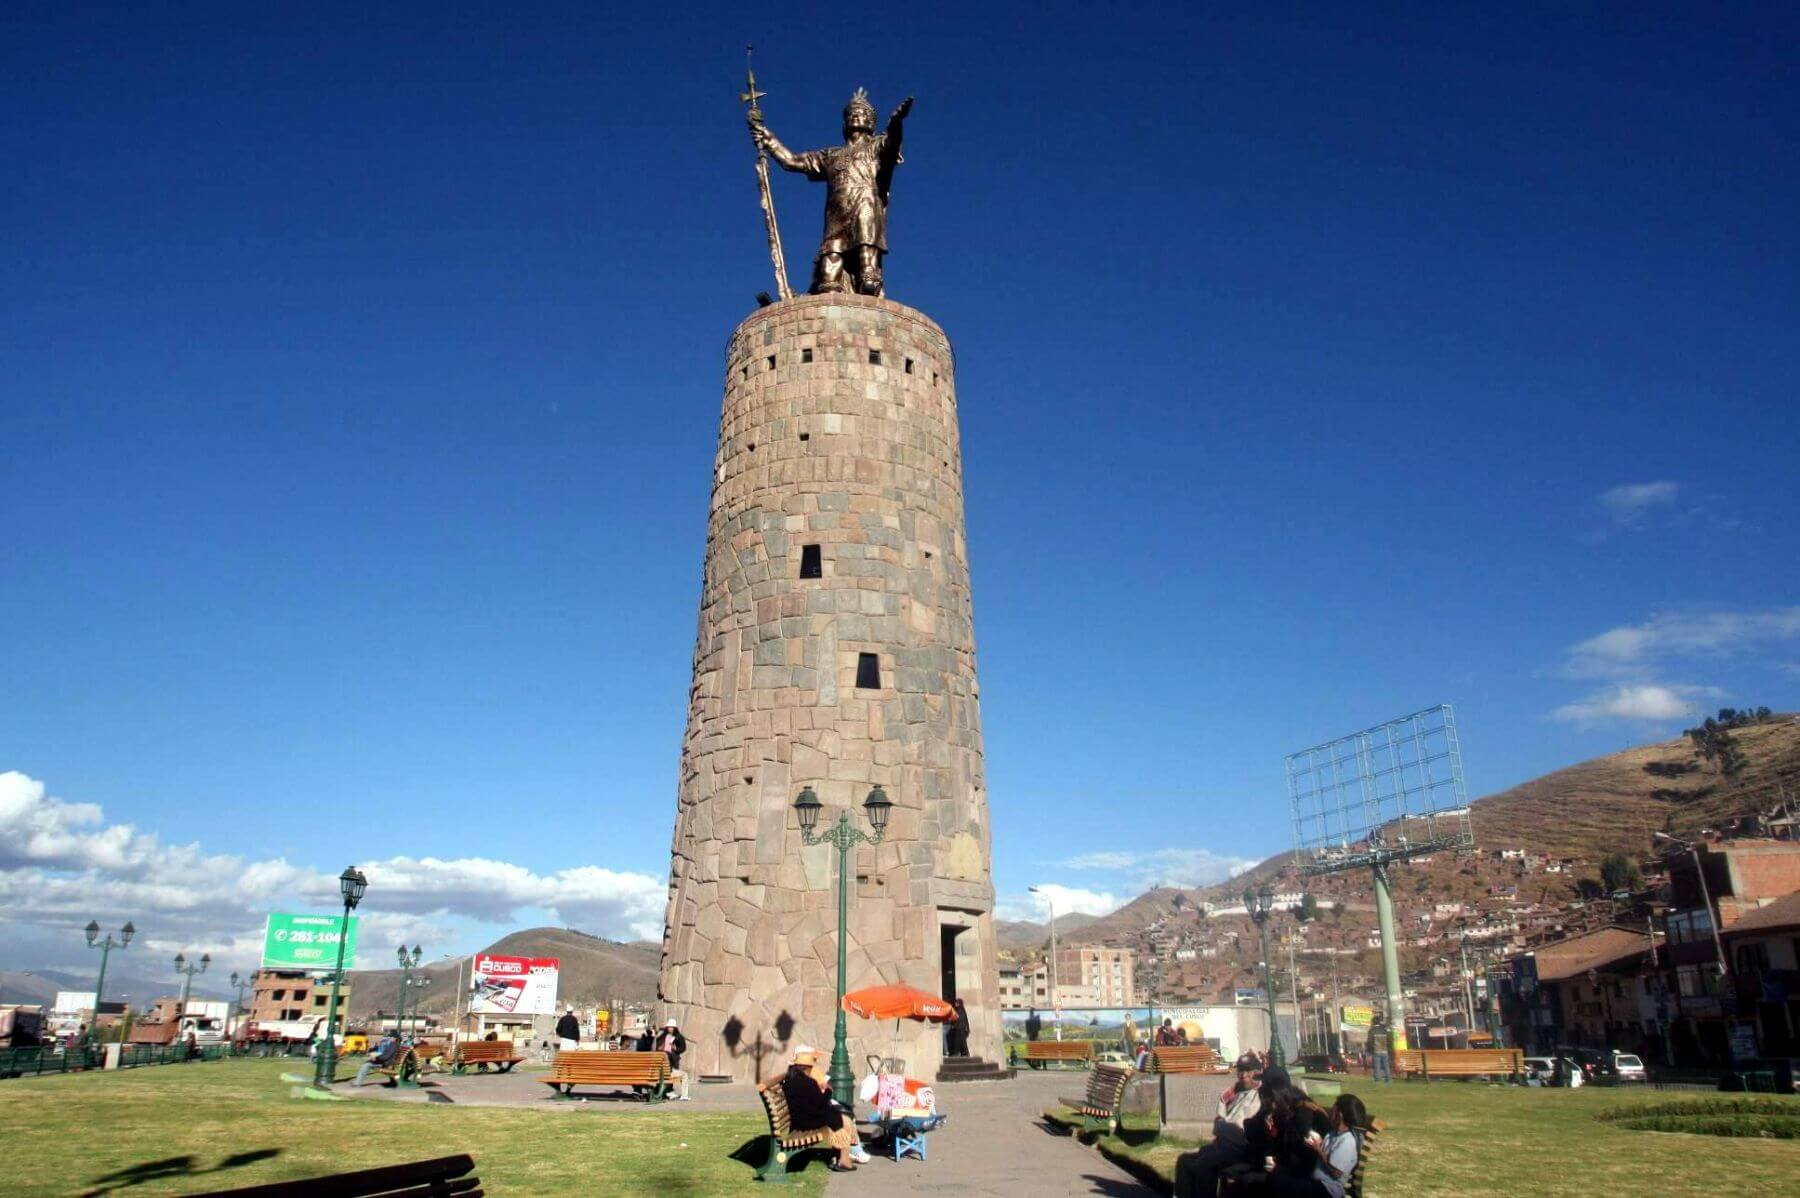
281	994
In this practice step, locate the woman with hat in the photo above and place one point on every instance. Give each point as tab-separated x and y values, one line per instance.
810	1108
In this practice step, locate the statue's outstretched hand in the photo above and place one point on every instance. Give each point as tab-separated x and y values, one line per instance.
900	112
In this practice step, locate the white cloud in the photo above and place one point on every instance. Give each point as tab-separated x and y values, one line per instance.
1630	505
61	864
1172	866
1671	635
1037	904
1636	702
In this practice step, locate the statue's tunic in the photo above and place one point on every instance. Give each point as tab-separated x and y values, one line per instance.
856	178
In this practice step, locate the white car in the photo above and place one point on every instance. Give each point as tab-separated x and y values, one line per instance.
1629	1068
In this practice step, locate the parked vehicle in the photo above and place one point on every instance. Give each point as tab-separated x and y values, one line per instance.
1538	1070
1628	1068
1321	1062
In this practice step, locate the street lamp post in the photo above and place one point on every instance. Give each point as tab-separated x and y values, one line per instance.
351	884
1260	902
106	947
407	981
239	984
845	837
187	986
1055	1004
1712	915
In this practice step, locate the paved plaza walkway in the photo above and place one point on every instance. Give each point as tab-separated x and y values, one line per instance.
995	1142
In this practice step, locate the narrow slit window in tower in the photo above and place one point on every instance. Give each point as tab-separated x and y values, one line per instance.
874	357
771	361
909	366
868	672
809	561
806	355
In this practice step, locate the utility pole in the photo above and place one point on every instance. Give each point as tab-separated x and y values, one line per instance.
1055	1003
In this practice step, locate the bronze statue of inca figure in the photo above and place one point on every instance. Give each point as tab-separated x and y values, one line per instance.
857	176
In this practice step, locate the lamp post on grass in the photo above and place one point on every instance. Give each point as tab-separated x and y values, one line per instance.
188	971
407	965
106	947
845	837
1259	903
240	984
351	884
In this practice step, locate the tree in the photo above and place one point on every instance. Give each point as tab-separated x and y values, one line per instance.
1619	872
1309	907
1712	739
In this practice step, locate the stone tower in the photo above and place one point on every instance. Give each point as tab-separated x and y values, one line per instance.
835	649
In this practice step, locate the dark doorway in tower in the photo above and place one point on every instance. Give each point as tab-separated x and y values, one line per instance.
947	935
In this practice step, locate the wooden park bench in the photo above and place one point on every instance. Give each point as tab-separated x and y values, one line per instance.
1460	1062
784	1142
1353	1187
440	1178
405	1067
1099	1107
613	1070
483	1053
1037	1052
1186	1058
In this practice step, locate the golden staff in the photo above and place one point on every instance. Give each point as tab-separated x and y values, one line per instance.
750	97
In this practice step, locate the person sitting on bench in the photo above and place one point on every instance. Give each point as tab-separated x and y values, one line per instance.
378	1056
1325	1160
810	1108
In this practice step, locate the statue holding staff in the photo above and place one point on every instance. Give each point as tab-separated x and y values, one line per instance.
857	176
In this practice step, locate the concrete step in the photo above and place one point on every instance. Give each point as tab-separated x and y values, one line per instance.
971	1069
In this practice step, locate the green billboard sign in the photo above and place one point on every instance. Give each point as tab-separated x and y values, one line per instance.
307	942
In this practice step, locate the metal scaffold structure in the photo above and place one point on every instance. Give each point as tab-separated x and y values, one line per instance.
1373	799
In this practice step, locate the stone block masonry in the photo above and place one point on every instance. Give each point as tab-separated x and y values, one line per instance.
839	431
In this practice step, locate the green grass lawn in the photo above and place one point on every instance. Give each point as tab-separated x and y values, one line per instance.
176	1125
1453	1138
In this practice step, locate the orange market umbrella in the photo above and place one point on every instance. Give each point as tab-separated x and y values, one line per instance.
898	1002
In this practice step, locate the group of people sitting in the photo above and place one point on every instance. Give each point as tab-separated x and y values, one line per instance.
1268	1134
811	1107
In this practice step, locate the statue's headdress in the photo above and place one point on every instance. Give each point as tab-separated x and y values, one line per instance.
859	113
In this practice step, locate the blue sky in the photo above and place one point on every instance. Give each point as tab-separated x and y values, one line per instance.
361	375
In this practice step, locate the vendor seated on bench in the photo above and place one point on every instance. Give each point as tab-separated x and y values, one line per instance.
378	1056
810	1108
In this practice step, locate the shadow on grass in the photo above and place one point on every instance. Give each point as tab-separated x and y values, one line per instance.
754	1152
171	1166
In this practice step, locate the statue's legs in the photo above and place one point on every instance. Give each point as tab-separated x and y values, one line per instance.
829	274
868	270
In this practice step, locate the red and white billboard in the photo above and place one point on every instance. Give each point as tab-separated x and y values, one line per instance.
513	985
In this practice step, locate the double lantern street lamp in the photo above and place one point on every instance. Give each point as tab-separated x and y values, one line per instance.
1259	903
846	837
240	984
106	947
187	971
408	963
351	884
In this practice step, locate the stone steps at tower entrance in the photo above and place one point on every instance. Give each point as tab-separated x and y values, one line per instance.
971	1069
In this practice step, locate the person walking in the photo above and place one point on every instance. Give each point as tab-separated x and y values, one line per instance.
568	1030
1034	1025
